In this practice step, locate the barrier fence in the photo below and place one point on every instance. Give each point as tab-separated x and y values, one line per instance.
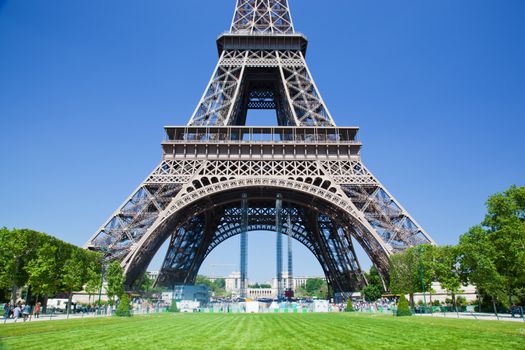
295	308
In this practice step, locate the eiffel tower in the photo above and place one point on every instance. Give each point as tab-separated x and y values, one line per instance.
219	178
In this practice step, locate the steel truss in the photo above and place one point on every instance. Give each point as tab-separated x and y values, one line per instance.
262	16
193	198
282	76
332	247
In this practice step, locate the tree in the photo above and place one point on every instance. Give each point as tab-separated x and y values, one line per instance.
221	283
349	306
146	284
426	258
492	255
43	264
123	308
371	293
115	281
260	286
402	307
478	265
217	286
300	292
373	277
403	274
374	289
17	248
45	272
505	227
93	274
412	271
173	307
314	286
447	267
74	273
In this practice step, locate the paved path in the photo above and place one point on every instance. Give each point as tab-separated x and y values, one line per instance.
57	317
53	317
462	315
474	316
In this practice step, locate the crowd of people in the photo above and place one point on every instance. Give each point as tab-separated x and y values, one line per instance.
380	305
21	311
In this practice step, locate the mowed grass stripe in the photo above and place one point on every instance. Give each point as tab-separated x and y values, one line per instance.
265	331
430	332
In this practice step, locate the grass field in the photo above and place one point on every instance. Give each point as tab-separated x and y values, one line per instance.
264	331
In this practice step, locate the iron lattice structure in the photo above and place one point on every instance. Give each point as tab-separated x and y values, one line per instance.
194	198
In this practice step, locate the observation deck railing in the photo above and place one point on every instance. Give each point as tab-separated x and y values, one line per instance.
258	135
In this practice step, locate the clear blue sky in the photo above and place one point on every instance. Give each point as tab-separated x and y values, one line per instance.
437	87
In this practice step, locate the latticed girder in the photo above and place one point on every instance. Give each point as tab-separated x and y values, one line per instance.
175	183
132	220
262	16
385	214
329	244
243	74
217	102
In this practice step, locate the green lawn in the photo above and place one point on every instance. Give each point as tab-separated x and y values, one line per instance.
264	331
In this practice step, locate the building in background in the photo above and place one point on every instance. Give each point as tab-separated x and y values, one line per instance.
198	292
261	293
439	293
233	285
297	281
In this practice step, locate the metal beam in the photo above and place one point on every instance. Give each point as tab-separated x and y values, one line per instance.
279	245
244	245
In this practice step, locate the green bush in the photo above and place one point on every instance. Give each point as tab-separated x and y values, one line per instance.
461	301
349	306
123	308
173	307
402	307
436	303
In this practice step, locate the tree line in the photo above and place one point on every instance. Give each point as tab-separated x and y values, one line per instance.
41	266
490	256
313	288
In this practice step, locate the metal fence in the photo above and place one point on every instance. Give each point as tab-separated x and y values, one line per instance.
53	314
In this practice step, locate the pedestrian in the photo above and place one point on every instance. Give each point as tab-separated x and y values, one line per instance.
17	312
516	310
7	310
36	312
26	311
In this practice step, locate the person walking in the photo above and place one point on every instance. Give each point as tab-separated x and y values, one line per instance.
7	310
516	310
17	312
36	312
26	311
